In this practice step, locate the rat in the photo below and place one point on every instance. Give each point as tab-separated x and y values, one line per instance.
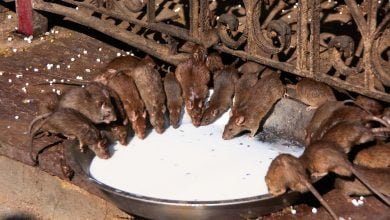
377	156
250	67
194	76
371	105
349	133
93	101
313	93
132	103
379	177
150	87
248	116
174	98
344	113
72	124
115	131
48	102
319	118
115	66
221	100
287	171
322	157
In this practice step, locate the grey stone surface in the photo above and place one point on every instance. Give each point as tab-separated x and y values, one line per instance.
287	120
29	193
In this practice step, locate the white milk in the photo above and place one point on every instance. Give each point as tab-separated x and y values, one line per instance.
190	164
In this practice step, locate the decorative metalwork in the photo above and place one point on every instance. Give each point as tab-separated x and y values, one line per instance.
344	44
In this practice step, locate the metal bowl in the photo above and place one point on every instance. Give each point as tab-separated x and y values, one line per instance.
154	208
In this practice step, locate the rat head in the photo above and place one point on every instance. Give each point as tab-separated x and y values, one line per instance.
101	149
157	119
234	126
209	115
120	133
286	171
174	116
105	77
199	53
195	110
102	104
214	62
138	123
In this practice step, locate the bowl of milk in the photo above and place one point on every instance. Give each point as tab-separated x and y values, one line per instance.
189	173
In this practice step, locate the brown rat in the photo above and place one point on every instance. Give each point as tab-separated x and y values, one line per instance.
377	156
93	101
319	118
314	93
174	98
344	113
287	172
48	102
322	157
247	116
378	177
194	76
371	105
71	124
214	62
150	87
115	131
132	103
115	66
221	100
349	133
250	68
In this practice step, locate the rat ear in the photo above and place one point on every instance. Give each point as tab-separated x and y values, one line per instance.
240	120
106	93
164	109
133	116
215	112
144	114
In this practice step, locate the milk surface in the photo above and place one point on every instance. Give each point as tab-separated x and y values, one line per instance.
191	164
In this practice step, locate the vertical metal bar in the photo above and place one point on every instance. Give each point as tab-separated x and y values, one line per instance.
302	33
25	16
315	38
151	10
194	18
203	12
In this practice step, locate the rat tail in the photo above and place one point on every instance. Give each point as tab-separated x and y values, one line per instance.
33	130
369	186
321	200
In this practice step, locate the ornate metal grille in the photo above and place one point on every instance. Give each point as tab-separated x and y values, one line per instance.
345	44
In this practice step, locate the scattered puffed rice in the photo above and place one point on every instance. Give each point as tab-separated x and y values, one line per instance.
77	8
27	84
41	38
355	202
19	76
132	54
14	50
361	198
118	54
177	10
56	32
49	66
79	77
62	80
8	126
9	38
16	117
85	52
68	66
360	202
98	60
25	101
127	52
58	66
10	80
314	210
42	90
100	49
53	90
87	70
9	16
293	211
58	92
1	73
36	69
78	55
72	59
24	89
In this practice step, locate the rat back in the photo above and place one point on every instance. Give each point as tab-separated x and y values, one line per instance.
314	93
377	156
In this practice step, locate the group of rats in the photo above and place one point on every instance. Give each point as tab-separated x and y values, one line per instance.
349	138
131	91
